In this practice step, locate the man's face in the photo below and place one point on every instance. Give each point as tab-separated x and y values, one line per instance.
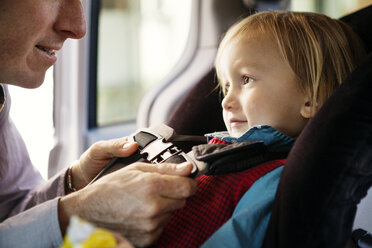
31	31
261	88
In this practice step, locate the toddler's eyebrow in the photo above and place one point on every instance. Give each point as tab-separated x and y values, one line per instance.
254	65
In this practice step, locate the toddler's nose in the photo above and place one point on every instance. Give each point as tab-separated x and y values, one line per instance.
229	101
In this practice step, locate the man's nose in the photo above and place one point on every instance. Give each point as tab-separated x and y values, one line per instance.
71	20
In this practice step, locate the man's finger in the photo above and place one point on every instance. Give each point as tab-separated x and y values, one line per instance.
183	169
121	147
177	187
166	180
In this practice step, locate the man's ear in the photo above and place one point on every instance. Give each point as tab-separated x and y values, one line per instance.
308	109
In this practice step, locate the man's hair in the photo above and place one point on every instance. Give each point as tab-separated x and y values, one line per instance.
320	50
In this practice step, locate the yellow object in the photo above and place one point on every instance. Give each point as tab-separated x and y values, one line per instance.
81	234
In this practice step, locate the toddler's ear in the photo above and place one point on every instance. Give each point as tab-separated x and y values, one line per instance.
308	109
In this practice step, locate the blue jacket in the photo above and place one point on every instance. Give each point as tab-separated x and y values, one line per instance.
247	226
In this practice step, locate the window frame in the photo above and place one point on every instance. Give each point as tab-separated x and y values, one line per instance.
93	63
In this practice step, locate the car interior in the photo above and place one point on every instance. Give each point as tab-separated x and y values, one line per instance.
329	204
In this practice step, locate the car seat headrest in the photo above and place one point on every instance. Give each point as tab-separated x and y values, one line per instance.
360	21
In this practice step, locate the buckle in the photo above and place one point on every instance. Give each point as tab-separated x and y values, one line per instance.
158	151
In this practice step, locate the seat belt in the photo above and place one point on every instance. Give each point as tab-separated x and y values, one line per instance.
156	145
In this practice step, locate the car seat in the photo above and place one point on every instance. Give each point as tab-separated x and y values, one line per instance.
315	206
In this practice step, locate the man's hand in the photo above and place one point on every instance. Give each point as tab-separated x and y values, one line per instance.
135	201
97	157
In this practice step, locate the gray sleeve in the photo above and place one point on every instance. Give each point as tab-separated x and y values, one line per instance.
36	227
55	187
21	185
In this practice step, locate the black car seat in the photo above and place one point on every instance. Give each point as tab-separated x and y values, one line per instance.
329	170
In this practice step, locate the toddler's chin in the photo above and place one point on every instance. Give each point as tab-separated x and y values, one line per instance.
237	133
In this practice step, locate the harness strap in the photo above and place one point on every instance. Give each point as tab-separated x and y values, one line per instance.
208	159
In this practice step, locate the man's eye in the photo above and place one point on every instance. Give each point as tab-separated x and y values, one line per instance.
247	80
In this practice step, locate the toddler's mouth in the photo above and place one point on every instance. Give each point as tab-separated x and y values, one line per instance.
237	122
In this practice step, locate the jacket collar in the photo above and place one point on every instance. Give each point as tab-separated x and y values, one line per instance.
275	141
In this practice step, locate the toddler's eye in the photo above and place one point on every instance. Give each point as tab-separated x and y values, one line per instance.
247	80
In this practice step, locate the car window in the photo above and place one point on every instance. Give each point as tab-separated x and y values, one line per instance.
138	43
333	8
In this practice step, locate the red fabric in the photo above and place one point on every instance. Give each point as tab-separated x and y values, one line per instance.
211	206
217	141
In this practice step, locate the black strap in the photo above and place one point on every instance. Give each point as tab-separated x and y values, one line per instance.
362	238
219	158
229	158
117	163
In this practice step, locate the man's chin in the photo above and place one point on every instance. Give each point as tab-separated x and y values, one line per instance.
31	82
